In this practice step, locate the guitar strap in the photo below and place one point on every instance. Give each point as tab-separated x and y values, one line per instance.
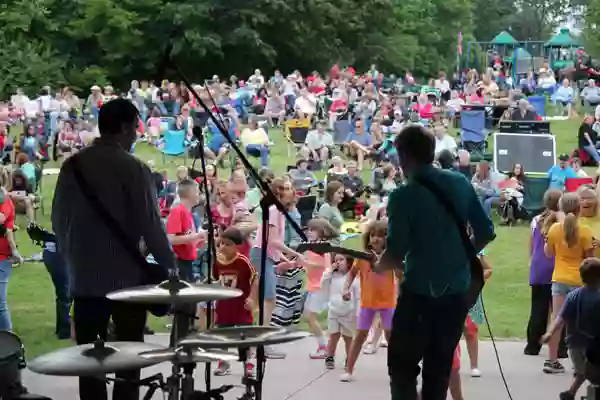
476	267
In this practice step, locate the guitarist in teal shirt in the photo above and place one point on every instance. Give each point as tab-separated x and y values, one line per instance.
431	212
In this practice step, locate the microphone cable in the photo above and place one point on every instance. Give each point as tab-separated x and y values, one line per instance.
496	354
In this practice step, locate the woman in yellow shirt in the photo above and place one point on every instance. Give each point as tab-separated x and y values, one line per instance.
589	212
569	242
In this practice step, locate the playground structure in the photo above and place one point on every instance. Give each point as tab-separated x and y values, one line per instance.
525	56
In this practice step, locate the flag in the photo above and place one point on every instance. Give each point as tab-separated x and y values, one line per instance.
459	48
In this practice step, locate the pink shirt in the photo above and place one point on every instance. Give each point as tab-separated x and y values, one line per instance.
154	122
474	99
314	274
277	221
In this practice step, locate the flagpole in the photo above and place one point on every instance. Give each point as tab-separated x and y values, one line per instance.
458	51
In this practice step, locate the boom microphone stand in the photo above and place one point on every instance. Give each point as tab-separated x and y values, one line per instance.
269	199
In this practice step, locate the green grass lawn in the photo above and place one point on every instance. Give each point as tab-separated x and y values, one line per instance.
506	297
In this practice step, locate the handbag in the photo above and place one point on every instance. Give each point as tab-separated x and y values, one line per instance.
154	273
477	281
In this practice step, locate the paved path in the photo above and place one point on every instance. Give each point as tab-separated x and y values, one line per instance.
299	378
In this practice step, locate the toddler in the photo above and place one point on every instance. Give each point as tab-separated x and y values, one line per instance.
342	314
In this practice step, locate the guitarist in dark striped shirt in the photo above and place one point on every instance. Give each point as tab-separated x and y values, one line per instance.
104	208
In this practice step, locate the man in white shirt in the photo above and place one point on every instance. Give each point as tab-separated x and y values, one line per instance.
19	100
443	141
45	99
443	86
289	90
317	144
256	80
306	105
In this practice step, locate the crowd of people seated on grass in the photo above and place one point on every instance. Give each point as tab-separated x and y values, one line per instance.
323	190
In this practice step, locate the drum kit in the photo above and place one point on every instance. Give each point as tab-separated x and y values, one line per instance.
100	358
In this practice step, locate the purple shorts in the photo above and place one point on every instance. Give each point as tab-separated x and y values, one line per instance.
367	315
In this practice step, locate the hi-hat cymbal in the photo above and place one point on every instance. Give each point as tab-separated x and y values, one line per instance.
178	292
241	337
94	359
188	355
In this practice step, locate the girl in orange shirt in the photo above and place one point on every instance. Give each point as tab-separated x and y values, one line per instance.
316	299
377	293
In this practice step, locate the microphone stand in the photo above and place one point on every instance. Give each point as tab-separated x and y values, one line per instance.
269	199
210	242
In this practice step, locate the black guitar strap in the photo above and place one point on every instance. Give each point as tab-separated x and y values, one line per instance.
476	273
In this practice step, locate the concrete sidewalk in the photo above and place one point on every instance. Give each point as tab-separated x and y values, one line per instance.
300	378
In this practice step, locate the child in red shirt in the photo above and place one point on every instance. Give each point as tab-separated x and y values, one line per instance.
232	269
181	230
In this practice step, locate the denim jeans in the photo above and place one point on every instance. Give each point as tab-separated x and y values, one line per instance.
428	329
487	203
59	273
5	271
290	101
260	149
593	152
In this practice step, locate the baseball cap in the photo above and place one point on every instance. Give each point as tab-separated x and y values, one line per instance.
563	157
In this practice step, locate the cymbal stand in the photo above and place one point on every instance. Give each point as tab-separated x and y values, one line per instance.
153	383
176	382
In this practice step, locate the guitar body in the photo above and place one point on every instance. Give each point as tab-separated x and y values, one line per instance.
477	282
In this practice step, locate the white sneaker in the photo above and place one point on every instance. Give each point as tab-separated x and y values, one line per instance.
475	373
346	377
383	342
370	349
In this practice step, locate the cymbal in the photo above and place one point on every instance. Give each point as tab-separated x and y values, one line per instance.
94	359
241	337
178	292
188	355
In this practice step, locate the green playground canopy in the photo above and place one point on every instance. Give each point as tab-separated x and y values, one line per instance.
563	39
521	53
504	38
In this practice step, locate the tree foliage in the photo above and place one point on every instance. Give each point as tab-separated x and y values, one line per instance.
85	42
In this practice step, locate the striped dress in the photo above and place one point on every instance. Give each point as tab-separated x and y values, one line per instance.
289	300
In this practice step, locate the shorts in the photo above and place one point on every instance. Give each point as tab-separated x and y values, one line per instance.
456	359
270	278
316	302
562	289
344	324
216	146
367	315
577	357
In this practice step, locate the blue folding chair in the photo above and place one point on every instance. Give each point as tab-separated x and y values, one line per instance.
473	134
167	124
174	145
539	104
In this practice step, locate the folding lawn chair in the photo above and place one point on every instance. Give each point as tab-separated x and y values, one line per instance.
473	134
174	145
307	207
295	132
539	104
534	189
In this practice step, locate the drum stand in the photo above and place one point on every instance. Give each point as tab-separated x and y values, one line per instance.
250	383
180	385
